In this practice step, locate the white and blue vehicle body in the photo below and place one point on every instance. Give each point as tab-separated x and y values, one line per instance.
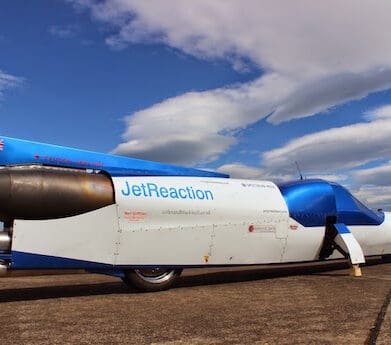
157	219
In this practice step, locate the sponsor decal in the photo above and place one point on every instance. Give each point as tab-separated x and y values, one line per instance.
135	216
257	185
1	144
262	228
293	226
187	212
153	190
275	211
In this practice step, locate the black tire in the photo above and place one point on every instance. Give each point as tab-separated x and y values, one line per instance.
152	279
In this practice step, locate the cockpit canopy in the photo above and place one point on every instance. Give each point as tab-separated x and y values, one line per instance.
313	202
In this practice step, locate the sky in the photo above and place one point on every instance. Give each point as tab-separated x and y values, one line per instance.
247	88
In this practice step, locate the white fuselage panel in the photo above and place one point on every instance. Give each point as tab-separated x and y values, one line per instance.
193	221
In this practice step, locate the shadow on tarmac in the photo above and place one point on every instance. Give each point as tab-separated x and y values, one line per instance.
46	292
233	275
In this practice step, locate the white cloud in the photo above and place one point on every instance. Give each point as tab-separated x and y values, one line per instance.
243	171
264	31
332	178
383	112
238	170
340	149
8	81
375	196
172	131
335	148
318	95
177	149
378	176
314	55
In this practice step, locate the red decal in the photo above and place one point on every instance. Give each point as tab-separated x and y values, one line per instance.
293	227
37	156
1	144
135	216
251	228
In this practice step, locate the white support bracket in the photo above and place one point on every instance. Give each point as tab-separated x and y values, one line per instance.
338	236
353	247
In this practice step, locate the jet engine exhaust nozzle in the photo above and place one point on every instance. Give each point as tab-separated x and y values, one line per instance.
40	192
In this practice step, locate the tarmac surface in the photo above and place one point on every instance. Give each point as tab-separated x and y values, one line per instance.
317	304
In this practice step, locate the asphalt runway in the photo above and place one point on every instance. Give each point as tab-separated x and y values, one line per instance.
322	304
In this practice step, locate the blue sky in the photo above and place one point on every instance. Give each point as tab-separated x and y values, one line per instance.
246	90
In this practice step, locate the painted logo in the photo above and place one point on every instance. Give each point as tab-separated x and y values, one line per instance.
1	144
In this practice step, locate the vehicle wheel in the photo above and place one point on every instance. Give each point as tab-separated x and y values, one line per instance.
152	279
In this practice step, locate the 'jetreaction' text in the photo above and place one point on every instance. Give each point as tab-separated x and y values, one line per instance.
152	190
